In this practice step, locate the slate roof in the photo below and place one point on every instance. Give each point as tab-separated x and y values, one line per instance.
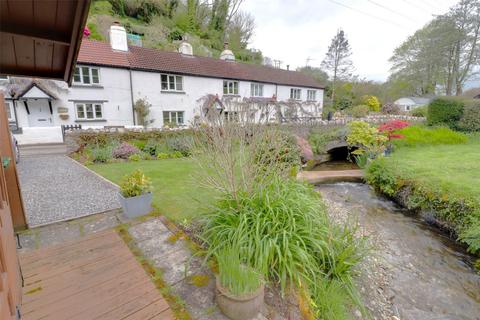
139	58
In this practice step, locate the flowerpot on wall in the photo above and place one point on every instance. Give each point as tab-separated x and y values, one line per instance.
63	116
136	206
242	307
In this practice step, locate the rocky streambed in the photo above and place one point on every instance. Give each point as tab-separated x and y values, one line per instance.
413	271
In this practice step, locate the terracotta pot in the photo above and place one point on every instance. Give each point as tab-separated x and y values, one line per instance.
242	307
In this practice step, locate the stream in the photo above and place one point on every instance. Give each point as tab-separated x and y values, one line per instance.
429	275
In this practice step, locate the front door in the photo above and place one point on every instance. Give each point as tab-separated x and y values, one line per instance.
40	115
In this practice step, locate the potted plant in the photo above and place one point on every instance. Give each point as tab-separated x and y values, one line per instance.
135	194
239	288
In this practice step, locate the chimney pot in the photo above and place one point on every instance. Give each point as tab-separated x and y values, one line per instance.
118	37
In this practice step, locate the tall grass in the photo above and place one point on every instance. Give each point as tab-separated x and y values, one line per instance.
235	276
282	230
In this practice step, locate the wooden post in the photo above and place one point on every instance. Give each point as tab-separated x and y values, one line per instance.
11	177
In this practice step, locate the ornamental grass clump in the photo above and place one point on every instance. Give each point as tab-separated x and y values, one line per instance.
135	184
234	275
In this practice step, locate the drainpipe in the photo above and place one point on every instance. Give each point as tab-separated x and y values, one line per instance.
131	96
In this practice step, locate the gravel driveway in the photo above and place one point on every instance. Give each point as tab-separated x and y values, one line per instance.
56	188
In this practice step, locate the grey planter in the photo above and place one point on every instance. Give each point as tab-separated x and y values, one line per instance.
136	206
245	307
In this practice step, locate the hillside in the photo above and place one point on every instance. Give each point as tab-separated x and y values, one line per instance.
163	23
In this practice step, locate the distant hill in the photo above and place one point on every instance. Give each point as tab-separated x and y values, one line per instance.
163	24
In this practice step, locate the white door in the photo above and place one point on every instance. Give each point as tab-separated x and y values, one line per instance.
40	115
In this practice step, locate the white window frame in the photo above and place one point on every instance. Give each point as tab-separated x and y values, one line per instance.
311	95
10	111
171	80
84	106
83	76
256	90
295	94
3	78
175	118
231	87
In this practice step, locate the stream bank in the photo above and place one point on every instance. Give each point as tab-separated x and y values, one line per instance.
413	272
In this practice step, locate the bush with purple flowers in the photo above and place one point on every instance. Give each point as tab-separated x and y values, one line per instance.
124	150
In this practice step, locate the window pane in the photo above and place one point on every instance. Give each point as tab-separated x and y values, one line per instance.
86	75
171	82
179	83
225	87
166	117
180	117
98	111
260	90
76	75
89	110
80	111
235	88
164	82
95	78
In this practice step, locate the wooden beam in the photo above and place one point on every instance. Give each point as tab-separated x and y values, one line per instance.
35	34
13	186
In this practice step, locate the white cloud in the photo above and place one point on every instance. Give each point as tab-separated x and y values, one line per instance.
293	30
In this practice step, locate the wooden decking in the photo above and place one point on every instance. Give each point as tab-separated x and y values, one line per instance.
96	277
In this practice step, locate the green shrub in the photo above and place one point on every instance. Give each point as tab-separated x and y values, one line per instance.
320	137
360	111
180	144
421	111
372	102
381	177
470	120
445	111
135	157
102	153
420	135
140	144
135	184
284	232
366	138
163	155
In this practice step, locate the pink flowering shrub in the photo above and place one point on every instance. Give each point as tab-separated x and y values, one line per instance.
124	151
391	127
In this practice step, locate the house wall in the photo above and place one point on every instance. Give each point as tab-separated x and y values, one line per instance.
115	94
406	104
148	85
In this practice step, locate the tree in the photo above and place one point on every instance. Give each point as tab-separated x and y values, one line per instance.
316	73
442	55
337	60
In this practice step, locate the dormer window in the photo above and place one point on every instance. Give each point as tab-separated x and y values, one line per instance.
172	82
295	94
230	87
86	76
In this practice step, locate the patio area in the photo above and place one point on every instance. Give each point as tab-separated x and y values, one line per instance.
93	277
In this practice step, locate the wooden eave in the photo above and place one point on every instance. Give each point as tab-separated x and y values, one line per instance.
41	38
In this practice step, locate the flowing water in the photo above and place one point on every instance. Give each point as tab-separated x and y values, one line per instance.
431	276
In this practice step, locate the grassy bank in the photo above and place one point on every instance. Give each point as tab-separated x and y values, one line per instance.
174	192
443	178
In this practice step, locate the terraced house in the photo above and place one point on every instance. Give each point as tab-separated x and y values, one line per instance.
110	77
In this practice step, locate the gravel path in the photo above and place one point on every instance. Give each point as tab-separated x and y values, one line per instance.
56	188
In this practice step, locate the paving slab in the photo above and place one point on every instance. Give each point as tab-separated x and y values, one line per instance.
56	188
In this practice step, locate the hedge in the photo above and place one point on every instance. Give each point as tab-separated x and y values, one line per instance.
470	120
445	111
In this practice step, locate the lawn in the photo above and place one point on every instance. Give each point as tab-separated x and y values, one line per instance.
451	169
175	194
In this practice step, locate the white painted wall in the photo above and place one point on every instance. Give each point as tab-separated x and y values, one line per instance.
115	94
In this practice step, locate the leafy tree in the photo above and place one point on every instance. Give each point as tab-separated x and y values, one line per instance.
372	102
316	73
337	60
445	53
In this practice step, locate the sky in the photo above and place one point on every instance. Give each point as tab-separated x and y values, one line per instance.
294	30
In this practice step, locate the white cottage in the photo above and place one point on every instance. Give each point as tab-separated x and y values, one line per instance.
410	103
110	77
